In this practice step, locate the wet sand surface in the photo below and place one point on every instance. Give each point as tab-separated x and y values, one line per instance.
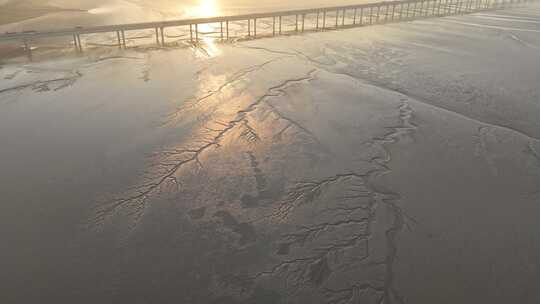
390	164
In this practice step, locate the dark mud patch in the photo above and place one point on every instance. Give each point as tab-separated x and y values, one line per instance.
197	213
266	191
244	230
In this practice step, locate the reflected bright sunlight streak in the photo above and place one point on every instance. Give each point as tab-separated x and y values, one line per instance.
207	8
211	47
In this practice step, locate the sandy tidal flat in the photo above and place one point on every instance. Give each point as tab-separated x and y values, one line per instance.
389	164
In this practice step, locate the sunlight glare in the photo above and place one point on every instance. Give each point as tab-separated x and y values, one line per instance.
205	8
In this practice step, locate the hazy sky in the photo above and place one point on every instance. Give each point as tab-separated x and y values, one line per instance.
174	4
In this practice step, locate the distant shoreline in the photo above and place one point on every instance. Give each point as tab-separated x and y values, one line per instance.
12	13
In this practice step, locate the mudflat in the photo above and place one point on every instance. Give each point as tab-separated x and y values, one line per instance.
396	163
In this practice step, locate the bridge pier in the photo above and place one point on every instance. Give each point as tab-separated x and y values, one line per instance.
75	43
123	39
441	9
28	50
221	29
79	43
118	39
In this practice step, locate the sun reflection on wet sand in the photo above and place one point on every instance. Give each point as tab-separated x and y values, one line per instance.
206	8
210	47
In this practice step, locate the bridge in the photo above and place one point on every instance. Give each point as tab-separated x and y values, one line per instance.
323	18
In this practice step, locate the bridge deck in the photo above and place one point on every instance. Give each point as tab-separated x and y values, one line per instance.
397	10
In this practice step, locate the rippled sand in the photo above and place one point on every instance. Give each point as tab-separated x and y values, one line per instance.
390	164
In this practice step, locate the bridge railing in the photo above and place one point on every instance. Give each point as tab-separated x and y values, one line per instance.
319	19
